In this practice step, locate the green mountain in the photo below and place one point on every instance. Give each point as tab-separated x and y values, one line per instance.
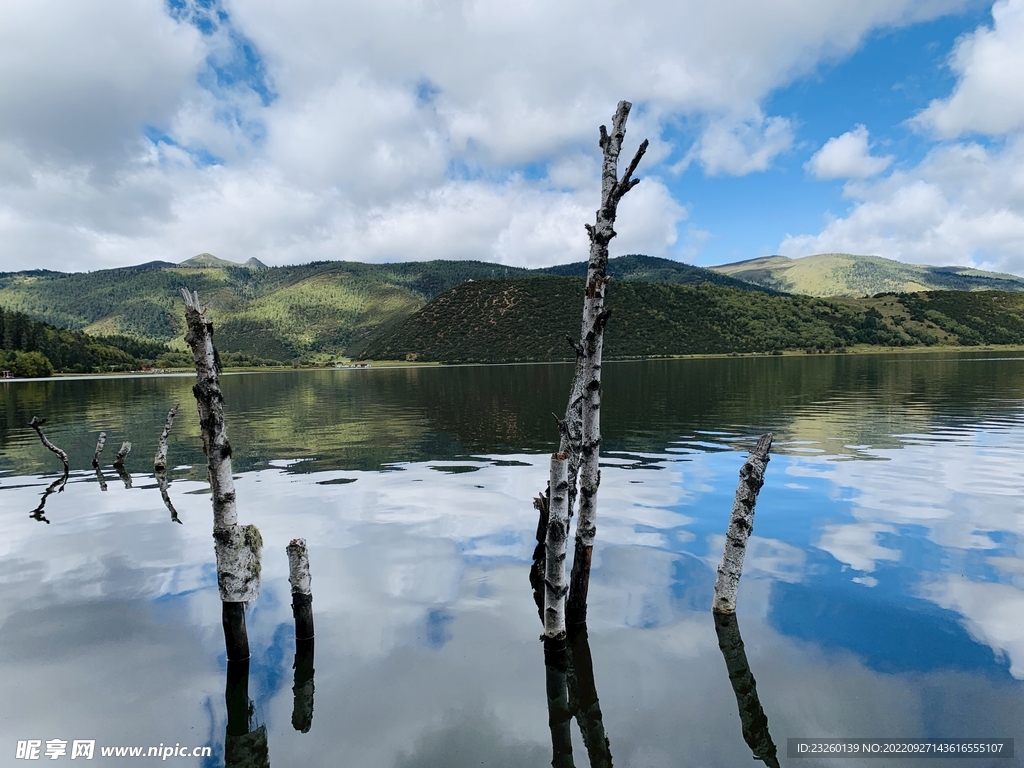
841	274
311	311
492	321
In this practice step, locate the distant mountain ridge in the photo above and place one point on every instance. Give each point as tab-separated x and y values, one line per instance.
843	274
310	311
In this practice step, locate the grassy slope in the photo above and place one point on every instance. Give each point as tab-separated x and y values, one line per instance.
839	274
528	319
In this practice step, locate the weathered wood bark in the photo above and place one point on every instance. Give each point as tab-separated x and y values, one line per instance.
302	592
165	494
741	525
100	442
37	425
303	689
537	568
160	460
753	720
555	587
237	547
589	350
123	473
122	454
556	667
245	740
56	486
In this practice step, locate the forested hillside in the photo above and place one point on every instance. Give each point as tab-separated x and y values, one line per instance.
287	314
528	319
29	348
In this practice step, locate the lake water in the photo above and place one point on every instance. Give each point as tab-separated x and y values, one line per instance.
882	596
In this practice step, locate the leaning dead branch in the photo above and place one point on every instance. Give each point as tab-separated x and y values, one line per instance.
237	547
741	525
584	420
37	425
160	460
165	494
100	443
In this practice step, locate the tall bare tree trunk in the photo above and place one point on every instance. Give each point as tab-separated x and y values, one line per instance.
237	547
554	554
588	352
741	525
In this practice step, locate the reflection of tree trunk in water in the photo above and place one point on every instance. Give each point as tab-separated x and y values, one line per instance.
537	569
752	716
588	707
161	480
123	474
556	667
302	706
100	478
245	742
58	486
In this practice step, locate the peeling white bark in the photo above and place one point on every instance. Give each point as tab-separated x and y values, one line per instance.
741	525
160	460
238	562
555	587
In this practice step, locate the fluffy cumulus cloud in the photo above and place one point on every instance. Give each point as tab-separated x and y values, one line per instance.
989	96
386	130
964	202
847	157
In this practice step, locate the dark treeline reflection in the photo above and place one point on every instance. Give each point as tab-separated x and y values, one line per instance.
362	419
752	717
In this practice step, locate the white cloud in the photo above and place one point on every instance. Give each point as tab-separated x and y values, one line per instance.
963	204
738	147
847	157
379	130
989	95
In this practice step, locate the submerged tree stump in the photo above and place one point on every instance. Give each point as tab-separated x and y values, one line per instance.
160	459
100	443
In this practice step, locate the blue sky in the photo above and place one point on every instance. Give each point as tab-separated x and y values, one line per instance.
403	130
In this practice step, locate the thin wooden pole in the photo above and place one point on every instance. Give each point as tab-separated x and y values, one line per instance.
741	525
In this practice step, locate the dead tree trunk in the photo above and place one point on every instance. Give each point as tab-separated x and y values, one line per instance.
554	552
165	494
37	425
100	442
588	352
122	454
237	547
741	525
160	460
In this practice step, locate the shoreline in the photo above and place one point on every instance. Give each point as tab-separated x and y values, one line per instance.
861	349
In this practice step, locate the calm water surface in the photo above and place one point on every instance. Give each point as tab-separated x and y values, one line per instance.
883	592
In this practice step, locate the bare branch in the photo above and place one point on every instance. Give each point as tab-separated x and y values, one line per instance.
37	425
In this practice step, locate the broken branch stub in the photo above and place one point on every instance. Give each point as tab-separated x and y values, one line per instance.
741	525
122	454
100	443
160	460
555	587
302	593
